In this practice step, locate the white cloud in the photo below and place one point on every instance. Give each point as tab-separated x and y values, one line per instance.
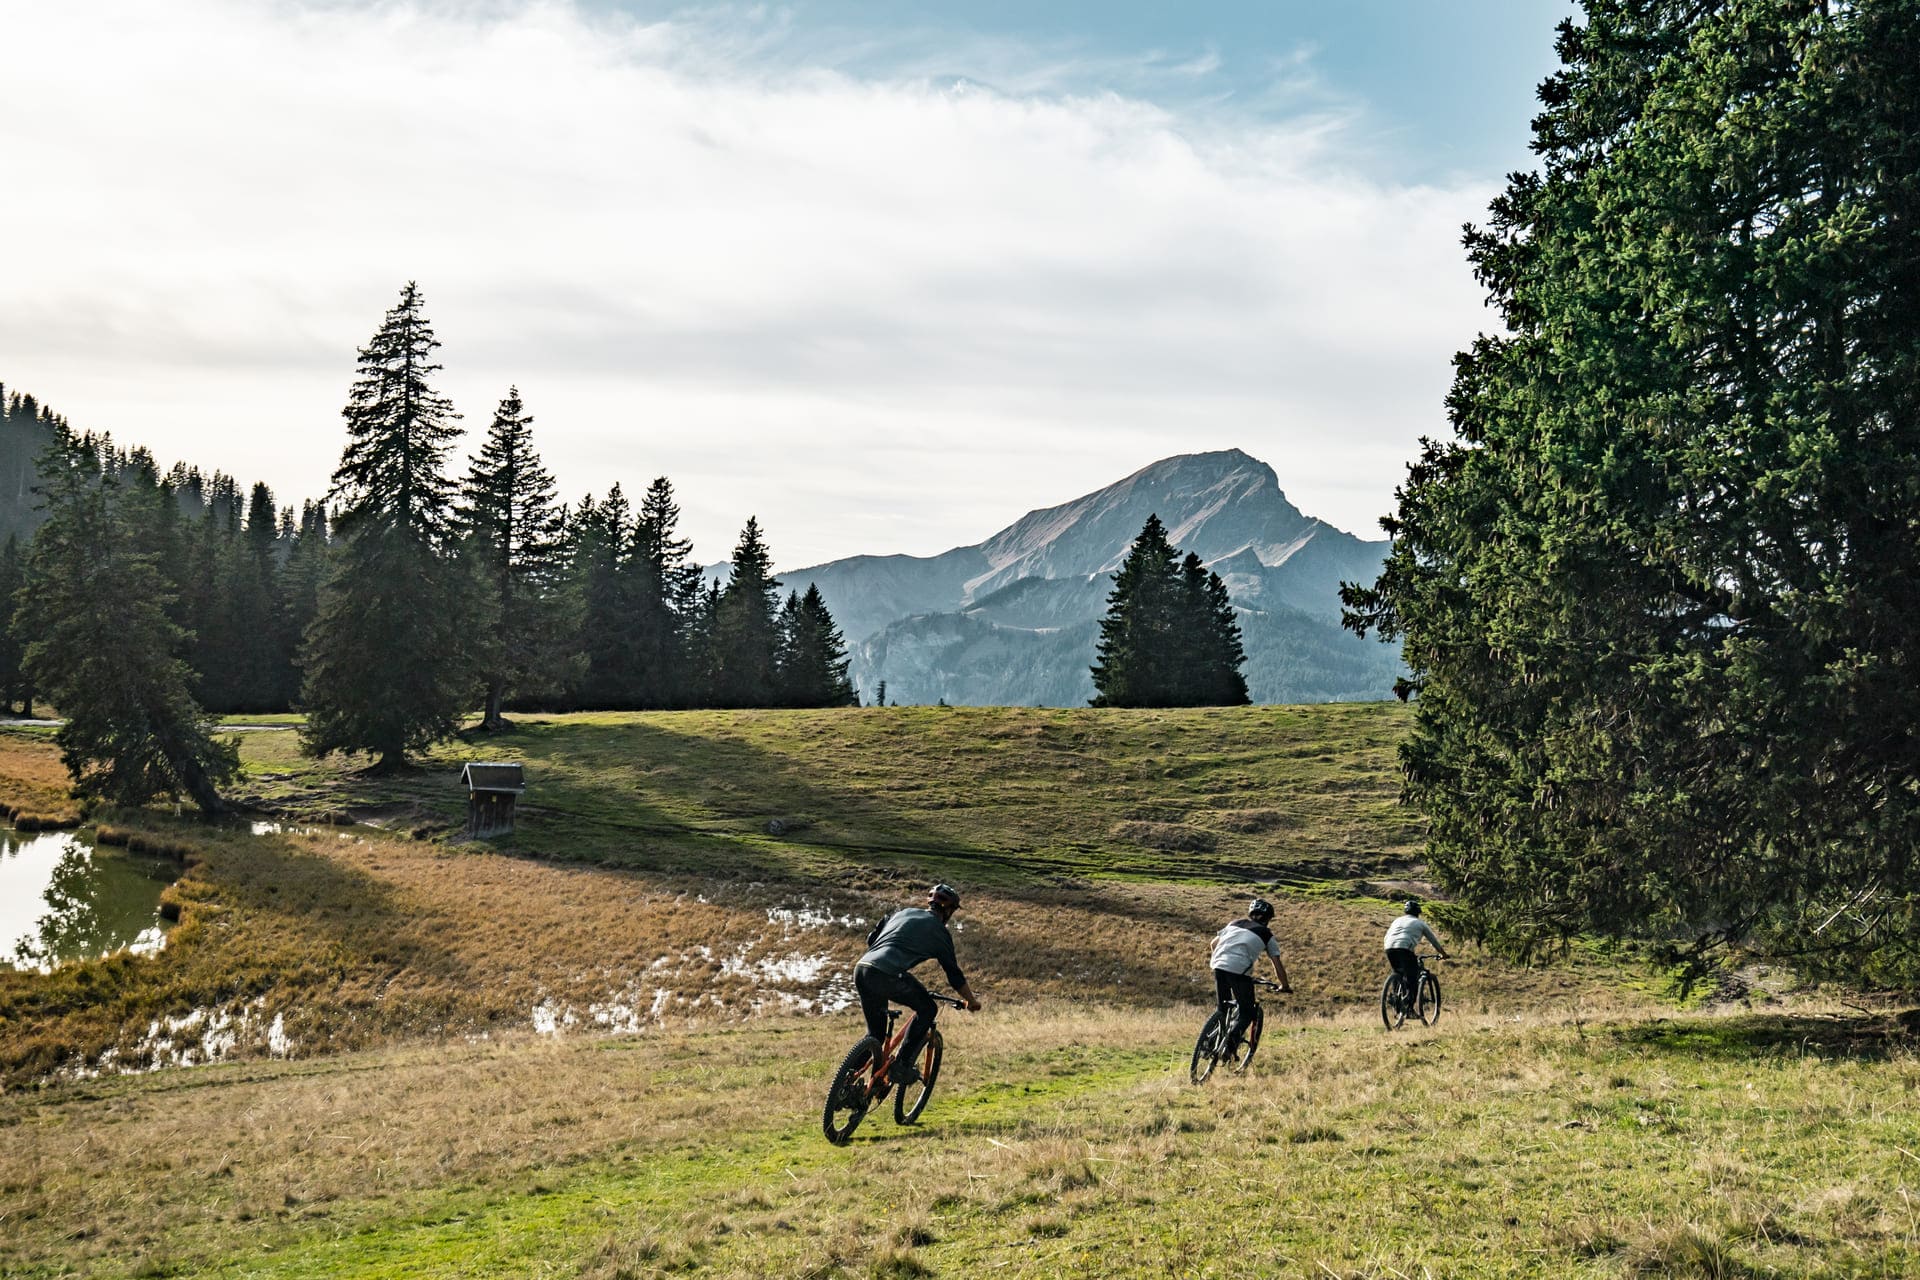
881	314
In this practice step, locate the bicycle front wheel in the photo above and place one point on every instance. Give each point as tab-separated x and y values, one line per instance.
1249	1041
1204	1049
905	1112
1391	1011
1429	1005
848	1098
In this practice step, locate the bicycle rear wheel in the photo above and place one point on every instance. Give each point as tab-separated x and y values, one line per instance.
1428	1006
848	1098
905	1112
1204	1050
1391	1011
1249	1041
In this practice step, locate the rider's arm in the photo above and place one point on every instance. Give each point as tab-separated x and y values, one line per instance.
1435	938
956	979
1280	972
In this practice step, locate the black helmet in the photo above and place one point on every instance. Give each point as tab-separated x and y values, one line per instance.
944	895
1413	906
1260	910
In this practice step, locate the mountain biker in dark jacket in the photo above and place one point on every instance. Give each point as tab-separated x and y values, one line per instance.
1236	948
898	943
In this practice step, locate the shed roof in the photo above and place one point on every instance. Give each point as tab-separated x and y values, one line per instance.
494	777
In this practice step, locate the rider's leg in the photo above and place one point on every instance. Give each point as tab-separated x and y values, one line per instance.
1241	985
1404	964
872	987
1223	995
908	991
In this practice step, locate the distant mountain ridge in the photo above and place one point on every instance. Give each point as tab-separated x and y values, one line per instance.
1012	620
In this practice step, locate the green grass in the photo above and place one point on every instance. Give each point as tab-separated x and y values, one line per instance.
1062	1141
1559	1122
1004	794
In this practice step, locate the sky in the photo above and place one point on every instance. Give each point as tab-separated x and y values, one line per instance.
885	275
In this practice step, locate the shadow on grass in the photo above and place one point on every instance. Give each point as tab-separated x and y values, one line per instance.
1867	1037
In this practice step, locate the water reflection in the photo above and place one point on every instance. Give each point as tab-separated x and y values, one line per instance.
62	899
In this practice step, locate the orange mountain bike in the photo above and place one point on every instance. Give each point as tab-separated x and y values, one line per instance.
862	1081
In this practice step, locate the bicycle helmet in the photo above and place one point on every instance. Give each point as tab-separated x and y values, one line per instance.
944	895
1413	906
1259	911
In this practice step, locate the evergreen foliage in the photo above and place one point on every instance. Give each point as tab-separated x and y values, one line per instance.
1170	637
103	649
514	527
14	690
665	584
1658	597
813	655
387	660
746	626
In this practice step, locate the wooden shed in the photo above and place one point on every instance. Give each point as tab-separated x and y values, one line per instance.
492	792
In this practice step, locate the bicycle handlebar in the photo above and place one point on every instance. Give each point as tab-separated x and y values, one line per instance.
1262	982
949	1000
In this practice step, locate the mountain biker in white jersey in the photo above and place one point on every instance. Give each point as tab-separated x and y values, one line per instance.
1236	949
1403	935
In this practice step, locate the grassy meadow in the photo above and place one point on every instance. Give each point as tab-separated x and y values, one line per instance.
599	1048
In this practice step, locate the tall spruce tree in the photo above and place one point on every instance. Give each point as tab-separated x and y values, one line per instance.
813	658
12	643
746	640
1210	674
104	651
514	528
664	586
1170	638
1135	663
387	663
1657	598
601	541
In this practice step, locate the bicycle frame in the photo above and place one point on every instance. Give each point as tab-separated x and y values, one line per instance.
877	1075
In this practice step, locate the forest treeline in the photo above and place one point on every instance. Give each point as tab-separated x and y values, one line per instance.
597	604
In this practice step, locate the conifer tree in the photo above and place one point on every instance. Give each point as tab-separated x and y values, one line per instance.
746	642
1170	638
1657	597
663	587
813	655
387	669
104	651
1214	652
1133	664
602	548
514	528
12	645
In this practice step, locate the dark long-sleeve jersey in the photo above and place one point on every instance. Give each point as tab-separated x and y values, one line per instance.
909	936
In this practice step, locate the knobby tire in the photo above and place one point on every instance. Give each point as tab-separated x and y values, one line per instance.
905	1112
1429	1005
847	1099
1390	1011
1203	1050
1249	1041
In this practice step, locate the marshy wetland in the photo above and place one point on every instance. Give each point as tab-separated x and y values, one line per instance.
598	1047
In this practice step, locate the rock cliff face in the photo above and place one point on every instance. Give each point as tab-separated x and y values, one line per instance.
1013	620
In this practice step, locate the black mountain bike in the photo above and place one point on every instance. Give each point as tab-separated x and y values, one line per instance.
1211	1048
1423	1002
863	1079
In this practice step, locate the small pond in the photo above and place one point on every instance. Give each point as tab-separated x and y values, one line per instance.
61	898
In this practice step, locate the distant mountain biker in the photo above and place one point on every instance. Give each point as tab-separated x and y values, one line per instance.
1403	935
898	943
1236	949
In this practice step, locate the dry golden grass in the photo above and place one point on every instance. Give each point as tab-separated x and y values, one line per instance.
33	782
